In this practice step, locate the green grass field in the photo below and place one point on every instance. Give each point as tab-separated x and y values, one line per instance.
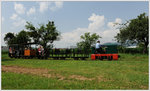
129	72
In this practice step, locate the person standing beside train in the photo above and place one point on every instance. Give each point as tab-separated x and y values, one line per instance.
42	50
10	51
39	50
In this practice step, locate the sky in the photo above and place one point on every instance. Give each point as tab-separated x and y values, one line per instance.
72	19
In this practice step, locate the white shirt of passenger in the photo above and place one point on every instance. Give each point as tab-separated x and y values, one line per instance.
98	45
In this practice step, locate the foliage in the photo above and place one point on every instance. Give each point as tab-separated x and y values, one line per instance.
33	32
135	31
130	50
5	52
9	37
88	40
21	37
45	35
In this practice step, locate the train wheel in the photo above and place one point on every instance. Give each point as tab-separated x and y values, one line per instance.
101	58
39	57
45	57
82	58
18	56
110	58
62	58
76	58
42	57
96	57
56	58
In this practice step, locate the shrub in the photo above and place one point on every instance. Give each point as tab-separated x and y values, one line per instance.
130	50
4	52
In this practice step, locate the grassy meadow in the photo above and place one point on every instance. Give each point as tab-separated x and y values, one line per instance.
129	72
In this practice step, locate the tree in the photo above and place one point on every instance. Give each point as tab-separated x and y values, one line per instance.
22	37
9	37
45	35
135	31
33	32
88	40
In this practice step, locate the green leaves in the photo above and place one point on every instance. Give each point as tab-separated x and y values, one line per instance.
88	40
135	31
21	37
8	37
45	34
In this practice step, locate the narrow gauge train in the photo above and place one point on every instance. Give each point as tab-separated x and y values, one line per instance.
26	51
110	52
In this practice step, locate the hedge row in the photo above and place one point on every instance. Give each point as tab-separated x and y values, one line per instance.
130	50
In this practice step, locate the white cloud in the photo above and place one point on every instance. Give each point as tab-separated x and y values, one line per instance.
71	38
53	6
118	20
96	22
2	39
19	22
44	6
113	24
108	35
14	17
96	25
57	5
31	11
19	8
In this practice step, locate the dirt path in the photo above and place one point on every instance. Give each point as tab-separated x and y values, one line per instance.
42	72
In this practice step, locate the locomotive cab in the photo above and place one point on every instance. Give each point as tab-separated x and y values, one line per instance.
109	52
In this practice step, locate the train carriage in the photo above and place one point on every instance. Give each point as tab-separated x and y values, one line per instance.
109	52
22	50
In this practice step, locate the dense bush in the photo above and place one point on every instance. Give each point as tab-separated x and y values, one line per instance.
130	50
4	52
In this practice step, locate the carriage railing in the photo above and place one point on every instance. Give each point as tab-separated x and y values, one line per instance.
69	53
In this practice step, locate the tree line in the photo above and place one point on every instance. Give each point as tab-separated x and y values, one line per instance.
134	31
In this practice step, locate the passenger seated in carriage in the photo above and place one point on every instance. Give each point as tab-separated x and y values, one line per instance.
10	52
41	50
